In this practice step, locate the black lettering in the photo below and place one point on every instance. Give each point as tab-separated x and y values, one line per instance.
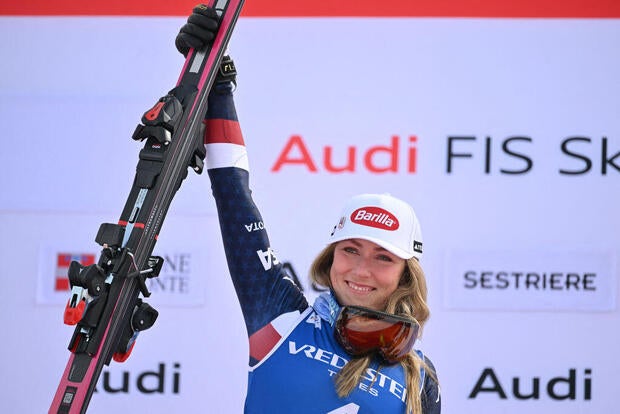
586	160
172	284
535	394
528	161
606	160
176	379
159	380
488	279
555	281
470	276
502	279
183	285
588	281
495	385
108	388
178	284
570	383
452	154
531	279
171	263
156	284
487	157
572	279
178	263
485	280
184	263
149	382
587	385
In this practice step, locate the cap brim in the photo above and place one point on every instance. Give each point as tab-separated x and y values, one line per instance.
387	246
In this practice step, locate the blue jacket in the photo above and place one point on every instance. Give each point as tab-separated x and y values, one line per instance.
294	355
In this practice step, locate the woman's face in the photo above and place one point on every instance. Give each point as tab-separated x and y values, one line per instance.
364	274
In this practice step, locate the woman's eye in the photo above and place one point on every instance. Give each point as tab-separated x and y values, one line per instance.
350	249
385	258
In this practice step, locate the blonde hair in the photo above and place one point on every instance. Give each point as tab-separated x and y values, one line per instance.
408	300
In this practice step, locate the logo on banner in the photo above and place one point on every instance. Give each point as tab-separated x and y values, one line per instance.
63	260
392	157
535	280
176	285
575	385
175	277
164	379
513	155
375	217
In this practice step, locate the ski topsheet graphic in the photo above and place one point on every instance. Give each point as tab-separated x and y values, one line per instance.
105	303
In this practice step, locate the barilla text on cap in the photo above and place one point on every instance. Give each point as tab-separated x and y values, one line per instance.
375	217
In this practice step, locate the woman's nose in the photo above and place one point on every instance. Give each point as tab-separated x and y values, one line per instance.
362	267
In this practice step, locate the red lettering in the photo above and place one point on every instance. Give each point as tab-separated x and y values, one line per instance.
285	158
375	217
392	153
377	159
413	154
350	166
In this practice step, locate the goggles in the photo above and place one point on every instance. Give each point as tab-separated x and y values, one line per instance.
362	331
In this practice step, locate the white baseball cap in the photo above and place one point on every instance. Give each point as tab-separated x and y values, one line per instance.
382	219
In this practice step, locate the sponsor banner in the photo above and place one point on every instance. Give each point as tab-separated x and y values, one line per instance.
305	8
530	280
573	384
461	154
492	148
186	246
519	154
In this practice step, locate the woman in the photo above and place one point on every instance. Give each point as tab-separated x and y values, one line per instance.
351	352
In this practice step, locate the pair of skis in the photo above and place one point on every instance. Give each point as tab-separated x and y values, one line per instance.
105	303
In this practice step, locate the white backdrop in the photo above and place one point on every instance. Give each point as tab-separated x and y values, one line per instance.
482	97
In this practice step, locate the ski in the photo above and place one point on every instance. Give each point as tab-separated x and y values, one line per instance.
105	303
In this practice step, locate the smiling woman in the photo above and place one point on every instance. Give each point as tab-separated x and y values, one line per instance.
376	288
372	263
364	273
